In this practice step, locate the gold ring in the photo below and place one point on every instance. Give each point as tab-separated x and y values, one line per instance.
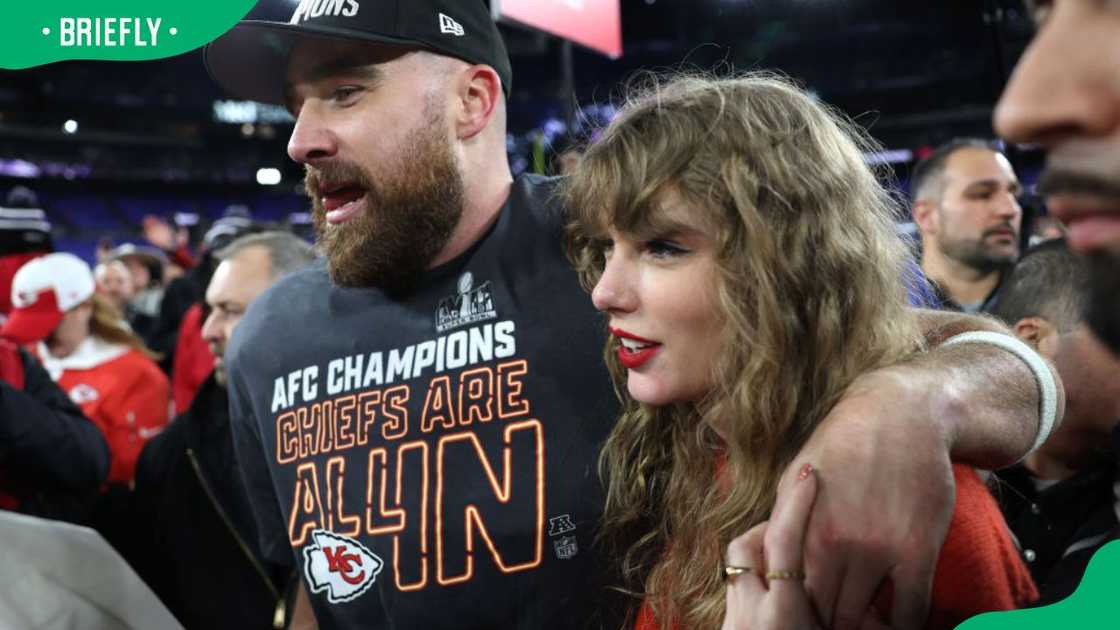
731	571
796	574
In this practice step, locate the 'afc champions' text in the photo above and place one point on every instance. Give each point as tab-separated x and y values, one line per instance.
426	474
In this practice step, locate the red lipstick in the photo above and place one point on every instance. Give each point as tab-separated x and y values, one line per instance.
638	353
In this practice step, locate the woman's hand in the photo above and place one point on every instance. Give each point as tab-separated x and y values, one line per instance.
755	601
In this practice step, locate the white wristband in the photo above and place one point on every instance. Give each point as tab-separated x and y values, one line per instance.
1047	389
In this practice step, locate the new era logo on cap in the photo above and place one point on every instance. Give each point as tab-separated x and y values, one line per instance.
448	26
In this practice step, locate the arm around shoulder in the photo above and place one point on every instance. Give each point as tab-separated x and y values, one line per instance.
992	396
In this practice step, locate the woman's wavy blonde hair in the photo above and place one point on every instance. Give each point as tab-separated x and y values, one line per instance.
810	281
107	322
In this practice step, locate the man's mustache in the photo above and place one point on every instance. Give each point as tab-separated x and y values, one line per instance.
1055	181
1000	229
333	172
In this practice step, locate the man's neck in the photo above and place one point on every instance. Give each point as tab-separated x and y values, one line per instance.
481	207
962	283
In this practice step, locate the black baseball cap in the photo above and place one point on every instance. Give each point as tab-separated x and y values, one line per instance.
250	60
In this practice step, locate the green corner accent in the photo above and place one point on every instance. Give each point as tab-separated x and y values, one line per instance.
37	33
1092	605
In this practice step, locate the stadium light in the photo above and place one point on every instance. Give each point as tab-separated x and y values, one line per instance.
268	176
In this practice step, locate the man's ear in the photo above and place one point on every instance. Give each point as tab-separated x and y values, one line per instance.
480	91
1039	333
924	213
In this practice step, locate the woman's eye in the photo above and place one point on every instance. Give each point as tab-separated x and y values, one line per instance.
660	248
606	249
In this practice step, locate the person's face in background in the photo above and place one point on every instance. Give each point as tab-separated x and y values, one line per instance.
659	291
567	161
71	331
1090	377
1065	95
235	284
141	277
114	283
977	218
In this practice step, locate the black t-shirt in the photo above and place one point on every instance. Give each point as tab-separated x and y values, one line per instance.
432	460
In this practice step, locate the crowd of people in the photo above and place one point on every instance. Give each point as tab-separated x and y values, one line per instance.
697	382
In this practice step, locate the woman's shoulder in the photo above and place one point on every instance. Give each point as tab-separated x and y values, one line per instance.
132	362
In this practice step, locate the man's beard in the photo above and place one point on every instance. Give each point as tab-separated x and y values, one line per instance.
1102	313
976	254
219	353
408	218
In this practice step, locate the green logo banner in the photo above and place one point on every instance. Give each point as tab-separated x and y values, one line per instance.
1092	605
36	33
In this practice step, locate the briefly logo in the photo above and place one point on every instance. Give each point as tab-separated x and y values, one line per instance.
448	26
82	394
469	306
341	566
309	9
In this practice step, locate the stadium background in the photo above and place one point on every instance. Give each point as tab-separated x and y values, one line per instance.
104	144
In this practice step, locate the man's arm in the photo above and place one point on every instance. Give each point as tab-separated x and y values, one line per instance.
45	435
989	399
883	454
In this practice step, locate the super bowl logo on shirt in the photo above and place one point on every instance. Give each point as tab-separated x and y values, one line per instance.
469	306
341	566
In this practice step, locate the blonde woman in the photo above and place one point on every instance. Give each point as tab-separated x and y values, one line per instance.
85	346
746	259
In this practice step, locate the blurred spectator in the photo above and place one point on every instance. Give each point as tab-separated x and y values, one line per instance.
52	458
193	360
25	233
114	283
145	265
969	219
104	367
567	152
1061	495
1046	228
145	311
195	531
174	241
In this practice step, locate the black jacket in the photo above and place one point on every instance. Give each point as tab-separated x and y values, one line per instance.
195	538
52	458
1047	522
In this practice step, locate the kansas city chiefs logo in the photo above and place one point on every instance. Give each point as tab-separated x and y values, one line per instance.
341	566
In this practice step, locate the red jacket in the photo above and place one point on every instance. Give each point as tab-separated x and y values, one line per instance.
193	360
124	392
978	570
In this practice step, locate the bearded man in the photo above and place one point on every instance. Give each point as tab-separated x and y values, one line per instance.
418	418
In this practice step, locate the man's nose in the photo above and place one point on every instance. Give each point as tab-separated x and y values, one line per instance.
1055	91
311	140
